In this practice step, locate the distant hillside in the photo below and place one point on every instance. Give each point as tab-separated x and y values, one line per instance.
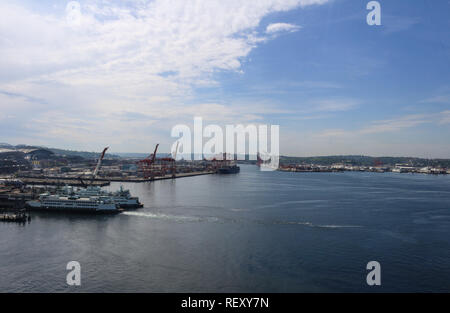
83	154
358	160
361	160
145	155
140	155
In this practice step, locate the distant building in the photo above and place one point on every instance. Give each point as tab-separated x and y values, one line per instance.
338	166
403	168
425	170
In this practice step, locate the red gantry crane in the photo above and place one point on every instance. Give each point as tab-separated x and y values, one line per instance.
167	164
152	166
146	165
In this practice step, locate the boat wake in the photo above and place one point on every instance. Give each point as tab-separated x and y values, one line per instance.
176	218
317	225
338	226
182	219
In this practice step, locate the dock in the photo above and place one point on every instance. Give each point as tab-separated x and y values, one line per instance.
143	180
58	181
102	181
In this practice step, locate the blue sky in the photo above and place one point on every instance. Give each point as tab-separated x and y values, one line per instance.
128	71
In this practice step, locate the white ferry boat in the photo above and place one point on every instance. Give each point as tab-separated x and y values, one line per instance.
122	197
48	202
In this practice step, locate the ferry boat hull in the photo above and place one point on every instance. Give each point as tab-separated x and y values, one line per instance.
56	203
130	205
32	206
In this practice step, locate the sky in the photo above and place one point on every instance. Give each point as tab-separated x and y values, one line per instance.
123	73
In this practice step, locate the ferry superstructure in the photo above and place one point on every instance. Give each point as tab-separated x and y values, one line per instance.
75	203
122	197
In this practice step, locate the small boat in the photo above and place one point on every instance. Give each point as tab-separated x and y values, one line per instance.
15	217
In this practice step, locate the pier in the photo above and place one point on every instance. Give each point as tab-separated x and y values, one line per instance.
143	180
101	182
58	181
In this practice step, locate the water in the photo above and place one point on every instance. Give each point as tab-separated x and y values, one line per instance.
250	232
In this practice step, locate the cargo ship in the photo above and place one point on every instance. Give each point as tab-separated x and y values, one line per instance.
229	169
223	165
73	203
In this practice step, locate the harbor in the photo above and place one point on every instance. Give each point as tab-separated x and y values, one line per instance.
225	156
267	222
58	184
37	179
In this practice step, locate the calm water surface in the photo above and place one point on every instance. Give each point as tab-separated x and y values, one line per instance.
250	232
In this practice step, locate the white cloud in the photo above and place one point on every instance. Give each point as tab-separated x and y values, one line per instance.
441	99
444	117
392	144
381	126
378	138
136	56
335	105
397	124
281	27
394	24
189	38
140	58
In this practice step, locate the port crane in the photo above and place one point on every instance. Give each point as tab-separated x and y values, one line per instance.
96	170
152	166
99	163
168	163
146	164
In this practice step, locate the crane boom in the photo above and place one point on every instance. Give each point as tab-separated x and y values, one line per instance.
176	150
99	163
154	153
